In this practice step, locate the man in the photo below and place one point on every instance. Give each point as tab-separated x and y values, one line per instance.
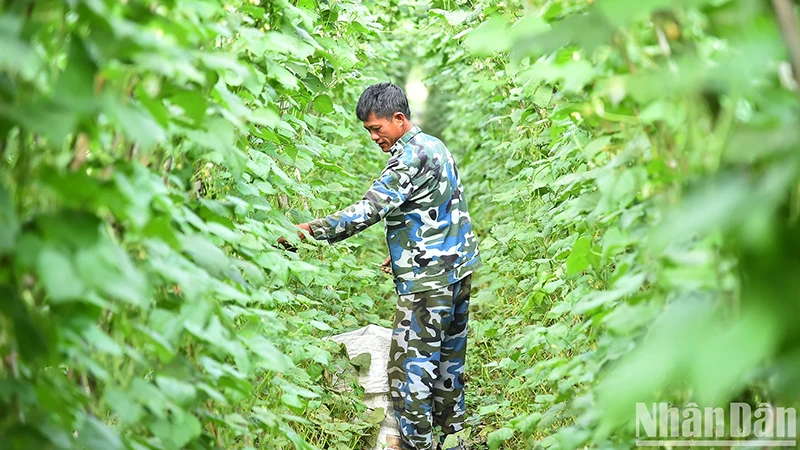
432	254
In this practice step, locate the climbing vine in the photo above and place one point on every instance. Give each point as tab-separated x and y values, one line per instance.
633	175
153	152
631	168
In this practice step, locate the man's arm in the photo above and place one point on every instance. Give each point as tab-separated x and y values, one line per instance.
387	193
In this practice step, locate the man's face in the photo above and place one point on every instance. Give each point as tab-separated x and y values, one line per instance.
385	132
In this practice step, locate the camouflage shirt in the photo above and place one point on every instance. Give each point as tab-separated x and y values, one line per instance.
428	228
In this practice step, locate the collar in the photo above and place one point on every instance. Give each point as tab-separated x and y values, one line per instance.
398	146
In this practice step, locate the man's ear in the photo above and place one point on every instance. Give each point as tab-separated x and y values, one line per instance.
399	117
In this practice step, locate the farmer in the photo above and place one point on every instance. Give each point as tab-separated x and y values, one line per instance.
432	254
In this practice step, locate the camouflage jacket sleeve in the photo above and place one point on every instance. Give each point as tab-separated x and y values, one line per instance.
387	193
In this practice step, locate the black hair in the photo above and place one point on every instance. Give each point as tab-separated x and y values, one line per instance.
383	99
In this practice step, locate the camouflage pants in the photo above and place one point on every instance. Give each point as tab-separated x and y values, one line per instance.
426	363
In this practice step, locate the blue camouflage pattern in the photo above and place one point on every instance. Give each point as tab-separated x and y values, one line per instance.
428	227
426	364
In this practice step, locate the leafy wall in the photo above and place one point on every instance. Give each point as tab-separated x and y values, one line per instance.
631	168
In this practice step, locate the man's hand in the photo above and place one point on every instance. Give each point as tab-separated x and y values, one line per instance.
305	227
302	227
385	266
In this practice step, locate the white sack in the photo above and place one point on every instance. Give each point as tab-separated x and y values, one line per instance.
374	340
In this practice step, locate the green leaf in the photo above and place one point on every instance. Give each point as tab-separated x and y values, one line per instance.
454	18
596	146
49	118
17	56
236	422
497	437
284	77
206	254
578	259
180	392
376	416
109	269
183	429
193	104
284	43
153	105
128	411
488	409
74	230
490	37
75	86
149	396
271	357
292	400
362	361
101	341
9	224
320	325
96	435
58	274
323	104
219	136
266	117
31	332
527	424
137	124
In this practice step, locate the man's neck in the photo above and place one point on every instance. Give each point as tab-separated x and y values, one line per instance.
408	126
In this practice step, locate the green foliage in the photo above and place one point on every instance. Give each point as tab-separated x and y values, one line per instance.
152	155
630	168
630	173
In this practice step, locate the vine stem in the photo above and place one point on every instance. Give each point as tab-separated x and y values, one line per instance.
791	36
21	168
214	431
